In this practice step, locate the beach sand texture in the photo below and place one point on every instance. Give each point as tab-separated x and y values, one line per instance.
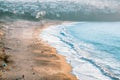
34	59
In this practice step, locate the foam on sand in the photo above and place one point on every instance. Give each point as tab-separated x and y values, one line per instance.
86	60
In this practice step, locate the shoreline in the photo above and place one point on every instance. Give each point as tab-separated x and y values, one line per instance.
65	67
33	58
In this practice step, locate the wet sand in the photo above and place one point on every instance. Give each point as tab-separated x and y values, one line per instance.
33	58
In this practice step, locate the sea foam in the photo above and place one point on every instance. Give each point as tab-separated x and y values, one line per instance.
88	61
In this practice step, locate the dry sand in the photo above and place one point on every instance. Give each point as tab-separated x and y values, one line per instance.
33	58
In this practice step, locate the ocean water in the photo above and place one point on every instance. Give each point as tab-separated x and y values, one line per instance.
91	42
92	48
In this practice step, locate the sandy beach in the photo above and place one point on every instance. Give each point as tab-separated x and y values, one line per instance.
34	59
59	40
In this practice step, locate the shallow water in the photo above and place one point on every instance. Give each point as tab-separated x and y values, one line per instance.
92	48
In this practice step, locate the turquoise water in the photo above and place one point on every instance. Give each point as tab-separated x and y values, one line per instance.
104	36
92	48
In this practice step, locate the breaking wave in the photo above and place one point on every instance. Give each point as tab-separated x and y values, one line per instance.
90	61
